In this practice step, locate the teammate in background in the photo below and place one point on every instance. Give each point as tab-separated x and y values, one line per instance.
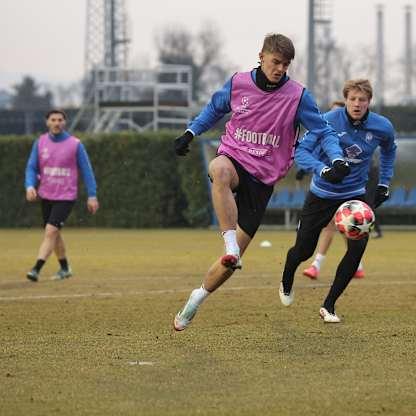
52	176
255	152
327	233
360	132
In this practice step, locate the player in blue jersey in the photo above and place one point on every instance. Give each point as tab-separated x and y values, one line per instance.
327	233
360	132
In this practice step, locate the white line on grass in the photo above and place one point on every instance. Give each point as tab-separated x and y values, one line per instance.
172	291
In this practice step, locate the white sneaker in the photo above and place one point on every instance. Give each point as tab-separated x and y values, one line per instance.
232	261
287	300
184	317
328	317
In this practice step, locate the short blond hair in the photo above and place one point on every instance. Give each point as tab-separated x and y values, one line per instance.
362	85
278	43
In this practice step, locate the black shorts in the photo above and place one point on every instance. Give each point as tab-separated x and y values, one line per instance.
252	197
56	212
317	213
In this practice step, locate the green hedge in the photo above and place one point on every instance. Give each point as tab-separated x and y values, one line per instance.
141	183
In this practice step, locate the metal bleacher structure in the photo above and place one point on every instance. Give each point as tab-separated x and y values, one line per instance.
117	97
139	100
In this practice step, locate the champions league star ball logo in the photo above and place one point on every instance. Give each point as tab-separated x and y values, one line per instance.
243	108
354	219
44	154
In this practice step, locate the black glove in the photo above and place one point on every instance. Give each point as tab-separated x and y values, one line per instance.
300	174
181	144
337	172
382	195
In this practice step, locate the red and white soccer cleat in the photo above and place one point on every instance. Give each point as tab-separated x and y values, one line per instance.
312	272
231	261
359	274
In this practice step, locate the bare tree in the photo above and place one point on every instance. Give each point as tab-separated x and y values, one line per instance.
202	51
344	63
29	99
68	95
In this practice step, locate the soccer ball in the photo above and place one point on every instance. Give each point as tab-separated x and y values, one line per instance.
354	219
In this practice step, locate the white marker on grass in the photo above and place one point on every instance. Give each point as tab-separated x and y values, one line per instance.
140	363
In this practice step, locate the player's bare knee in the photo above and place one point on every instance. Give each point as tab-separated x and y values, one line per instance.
51	231
222	172
220	175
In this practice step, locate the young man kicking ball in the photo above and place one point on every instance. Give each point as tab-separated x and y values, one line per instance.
256	151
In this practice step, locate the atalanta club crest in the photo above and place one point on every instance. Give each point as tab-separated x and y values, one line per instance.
369	137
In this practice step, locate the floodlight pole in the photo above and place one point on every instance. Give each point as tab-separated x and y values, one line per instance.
379	87
408	56
311	47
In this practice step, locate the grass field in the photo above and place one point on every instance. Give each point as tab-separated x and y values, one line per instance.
102	342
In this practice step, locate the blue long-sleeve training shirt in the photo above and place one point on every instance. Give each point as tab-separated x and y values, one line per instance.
308	115
358	143
83	161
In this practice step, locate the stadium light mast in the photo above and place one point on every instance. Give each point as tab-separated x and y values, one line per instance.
311	46
106	46
408	56
106	34
118	97
379	85
320	48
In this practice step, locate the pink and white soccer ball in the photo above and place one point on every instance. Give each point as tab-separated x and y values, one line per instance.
354	219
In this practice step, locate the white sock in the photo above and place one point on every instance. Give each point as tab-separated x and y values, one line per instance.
360	267
230	239
319	259
199	295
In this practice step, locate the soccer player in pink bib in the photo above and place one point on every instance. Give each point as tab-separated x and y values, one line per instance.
52	176
256	151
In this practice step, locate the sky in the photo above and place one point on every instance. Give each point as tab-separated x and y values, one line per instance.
45	38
